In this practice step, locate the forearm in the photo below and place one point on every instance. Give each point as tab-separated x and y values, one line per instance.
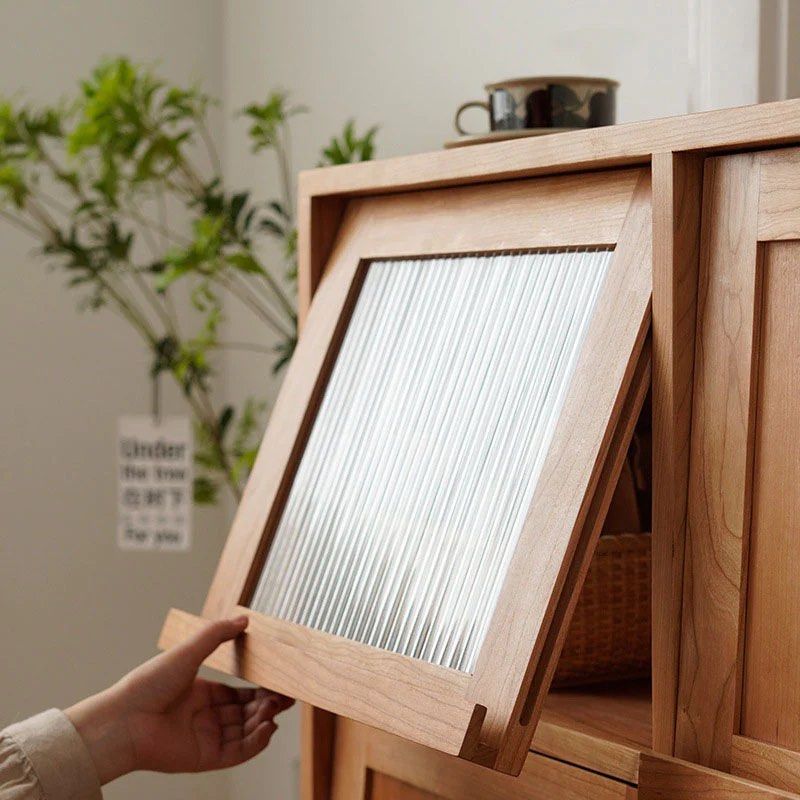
101	722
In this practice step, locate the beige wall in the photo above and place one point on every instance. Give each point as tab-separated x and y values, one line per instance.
75	612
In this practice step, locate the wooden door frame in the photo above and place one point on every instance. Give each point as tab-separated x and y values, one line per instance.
748	202
488	716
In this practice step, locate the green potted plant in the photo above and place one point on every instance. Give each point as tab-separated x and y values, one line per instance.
122	189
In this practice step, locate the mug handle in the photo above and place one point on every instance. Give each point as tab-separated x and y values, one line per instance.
471	104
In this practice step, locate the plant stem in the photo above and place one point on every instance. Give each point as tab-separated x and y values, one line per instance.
279	293
21	223
152	300
208	419
246	346
245	297
282	151
147	223
213	156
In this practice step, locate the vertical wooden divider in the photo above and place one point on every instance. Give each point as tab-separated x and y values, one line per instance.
317	734
677	180
318	222
718	511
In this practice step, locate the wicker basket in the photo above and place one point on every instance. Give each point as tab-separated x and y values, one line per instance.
609	637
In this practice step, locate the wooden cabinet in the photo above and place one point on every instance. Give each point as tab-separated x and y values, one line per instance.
710	205
373	765
435	474
721	719
663	778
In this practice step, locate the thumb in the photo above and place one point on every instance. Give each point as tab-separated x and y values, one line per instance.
198	647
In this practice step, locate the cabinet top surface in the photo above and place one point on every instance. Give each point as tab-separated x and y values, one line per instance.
756	126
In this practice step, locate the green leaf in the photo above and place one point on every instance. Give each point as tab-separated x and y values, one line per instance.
238	202
205	491
169	275
269	225
244	262
285	351
224	420
349	146
267	118
13	184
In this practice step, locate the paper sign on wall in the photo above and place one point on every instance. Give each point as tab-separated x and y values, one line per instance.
155	483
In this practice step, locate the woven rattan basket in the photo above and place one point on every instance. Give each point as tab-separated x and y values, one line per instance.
609	637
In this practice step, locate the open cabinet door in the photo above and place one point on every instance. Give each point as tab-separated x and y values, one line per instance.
435	472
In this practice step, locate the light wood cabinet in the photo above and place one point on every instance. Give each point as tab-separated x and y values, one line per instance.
710	204
377	765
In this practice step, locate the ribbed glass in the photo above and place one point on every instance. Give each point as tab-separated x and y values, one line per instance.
422	462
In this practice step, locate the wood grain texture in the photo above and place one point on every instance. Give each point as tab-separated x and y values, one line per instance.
384	787
601	209
602	728
570	210
624	514
316	234
662	778
779	195
543	675
677	198
768	124
718	500
451	778
317	731
766	763
350	777
771	685
538	572
374	686
318	221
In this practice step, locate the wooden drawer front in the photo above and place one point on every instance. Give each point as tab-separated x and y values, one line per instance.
662	778
374	765
385	787
766	763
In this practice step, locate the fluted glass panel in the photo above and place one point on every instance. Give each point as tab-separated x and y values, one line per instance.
425	453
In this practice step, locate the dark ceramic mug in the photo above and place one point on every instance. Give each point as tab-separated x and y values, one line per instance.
549	102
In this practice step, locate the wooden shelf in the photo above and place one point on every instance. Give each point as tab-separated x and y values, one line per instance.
604	727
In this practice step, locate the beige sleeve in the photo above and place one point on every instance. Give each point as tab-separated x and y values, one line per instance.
44	758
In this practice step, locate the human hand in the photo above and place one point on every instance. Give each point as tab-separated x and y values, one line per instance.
162	717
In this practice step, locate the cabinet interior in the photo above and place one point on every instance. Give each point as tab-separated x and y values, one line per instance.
617	708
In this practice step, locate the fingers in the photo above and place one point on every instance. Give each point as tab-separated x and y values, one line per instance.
232	714
263	707
246	727
279	702
238	750
221	694
202	644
